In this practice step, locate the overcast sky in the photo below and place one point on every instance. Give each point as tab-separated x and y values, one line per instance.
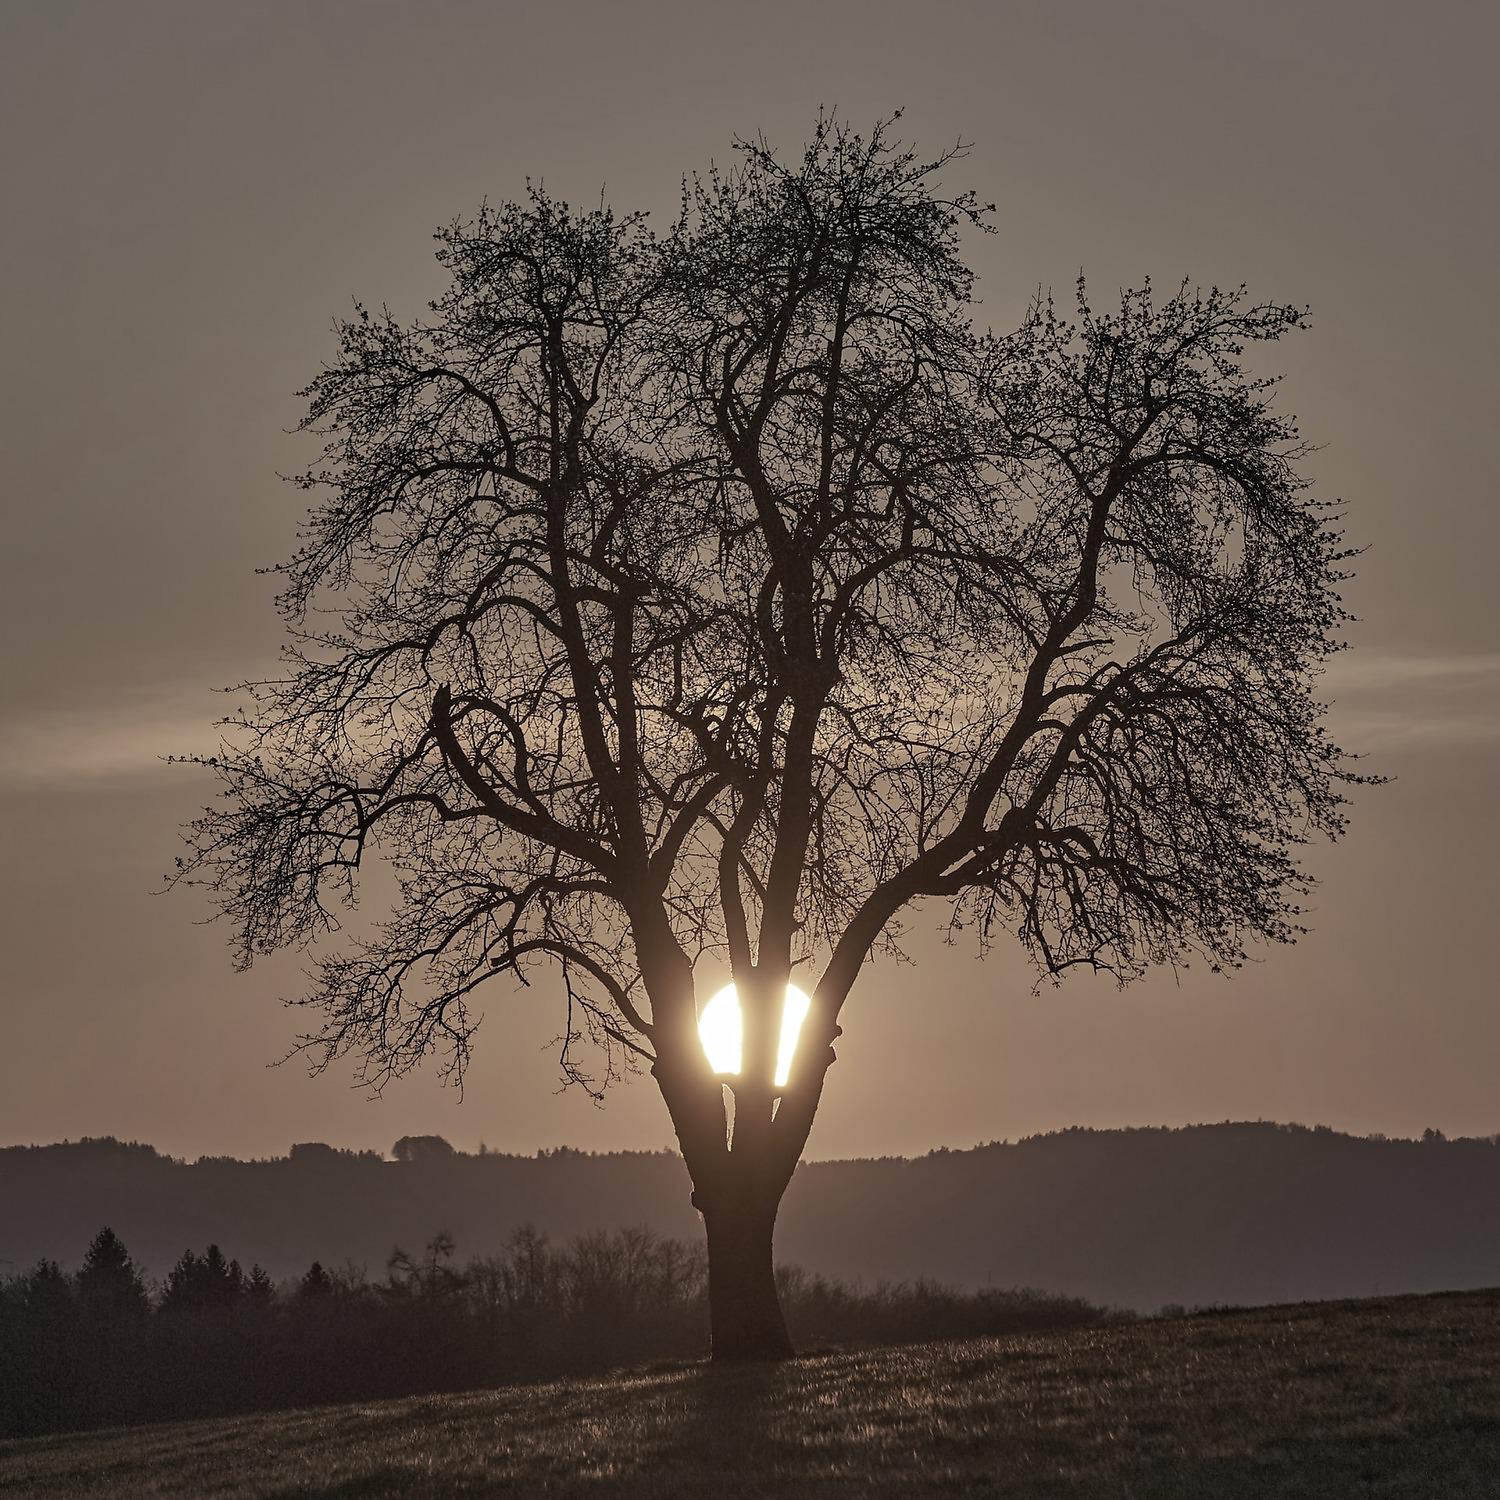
192	192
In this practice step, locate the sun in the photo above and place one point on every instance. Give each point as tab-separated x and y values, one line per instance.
721	1030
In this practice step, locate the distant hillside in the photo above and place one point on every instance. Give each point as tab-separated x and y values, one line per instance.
1241	1213
1232	1213
319	1203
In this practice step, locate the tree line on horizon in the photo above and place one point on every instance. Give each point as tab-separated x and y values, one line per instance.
430	1150
104	1346
1235	1212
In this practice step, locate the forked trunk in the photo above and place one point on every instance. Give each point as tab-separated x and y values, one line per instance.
737	1186
744	1310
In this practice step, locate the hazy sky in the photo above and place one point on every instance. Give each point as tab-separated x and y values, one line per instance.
191	192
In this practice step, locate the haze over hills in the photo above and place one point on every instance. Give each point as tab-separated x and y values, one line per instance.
1238	1213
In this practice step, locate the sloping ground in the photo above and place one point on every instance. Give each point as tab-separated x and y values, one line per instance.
1388	1397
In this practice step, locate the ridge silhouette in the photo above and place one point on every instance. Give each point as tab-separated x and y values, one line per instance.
1137	1218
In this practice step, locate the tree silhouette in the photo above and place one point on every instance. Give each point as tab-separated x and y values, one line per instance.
682	604
421	1148
201	1282
433	1276
69	1360
109	1283
316	1284
260	1291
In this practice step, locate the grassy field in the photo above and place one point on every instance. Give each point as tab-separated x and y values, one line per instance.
1395	1396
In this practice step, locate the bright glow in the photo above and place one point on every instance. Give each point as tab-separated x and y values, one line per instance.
721	1029
793	1013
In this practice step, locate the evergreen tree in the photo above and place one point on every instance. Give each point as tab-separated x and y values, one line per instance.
183	1282
317	1284
218	1278
45	1290
204	1281
110	1283
260	1292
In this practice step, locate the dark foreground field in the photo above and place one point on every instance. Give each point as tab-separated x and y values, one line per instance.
1394	1396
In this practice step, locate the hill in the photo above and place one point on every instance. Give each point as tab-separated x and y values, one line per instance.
1232	1213
1391	1398
1241	1213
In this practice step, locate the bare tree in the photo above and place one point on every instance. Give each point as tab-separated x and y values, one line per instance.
699	601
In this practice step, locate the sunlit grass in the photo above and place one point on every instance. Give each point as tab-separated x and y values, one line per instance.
1391	1397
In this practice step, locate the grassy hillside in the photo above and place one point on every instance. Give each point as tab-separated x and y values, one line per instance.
1389	1397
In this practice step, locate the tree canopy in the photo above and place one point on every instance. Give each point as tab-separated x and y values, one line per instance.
700	601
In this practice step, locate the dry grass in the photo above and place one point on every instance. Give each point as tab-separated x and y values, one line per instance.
1391	1397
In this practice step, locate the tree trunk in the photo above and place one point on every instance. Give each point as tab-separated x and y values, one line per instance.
744	1310
738	1188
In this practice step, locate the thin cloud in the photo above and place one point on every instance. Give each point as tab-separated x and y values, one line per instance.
107	743
1380	700
1393	699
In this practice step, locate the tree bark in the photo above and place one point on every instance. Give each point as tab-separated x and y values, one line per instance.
744	1309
